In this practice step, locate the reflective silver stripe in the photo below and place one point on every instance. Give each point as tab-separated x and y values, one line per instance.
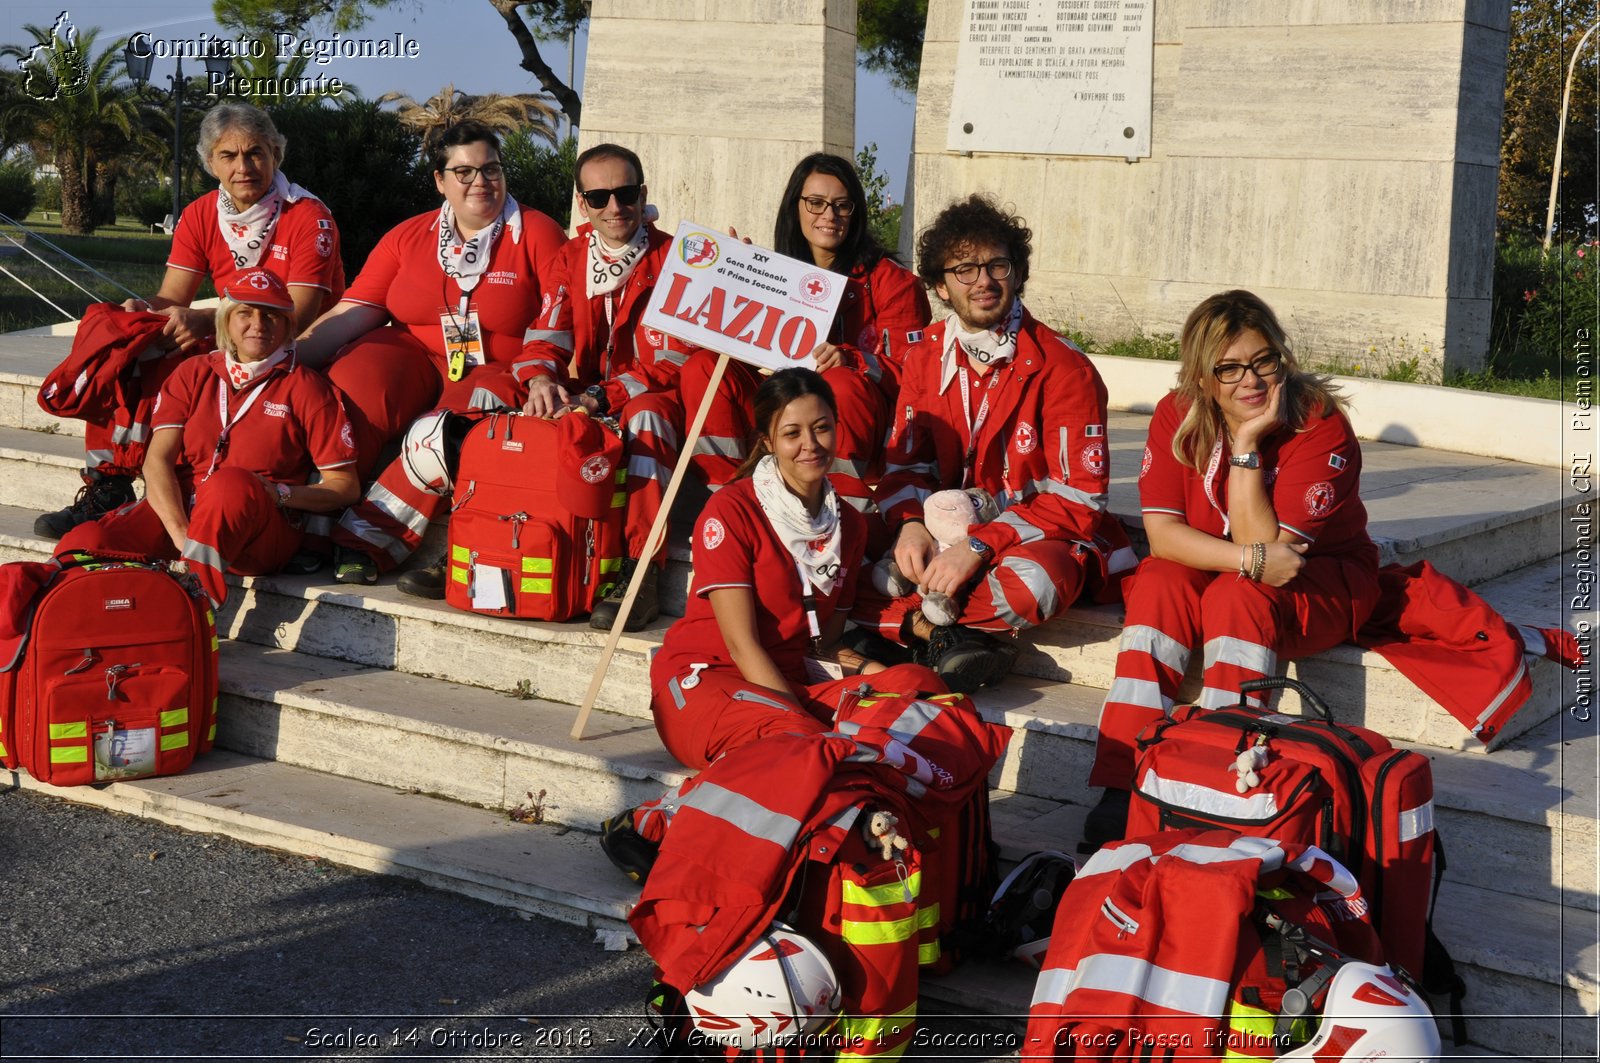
205	555
1026	532
562	339
1483	717
677	694
721	446
1035	579
92	458
372	536
761	699
317	524
645	423
1052	985
1122	559
1163	647
1189	993
1532	639
873	367
1226	649
1259	807
905	494
1066	491
739	811
484	399
858	469
1145	693
1292	530
130	433
862	505
645	468
916	716
672	357
518	368
1212	698
392	505
922	468
632	385
1065	439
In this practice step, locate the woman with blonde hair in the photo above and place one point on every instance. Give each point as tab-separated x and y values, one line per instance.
1258	539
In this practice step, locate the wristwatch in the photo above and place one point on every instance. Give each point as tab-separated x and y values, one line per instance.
602	405
1251	460
979	547
283	495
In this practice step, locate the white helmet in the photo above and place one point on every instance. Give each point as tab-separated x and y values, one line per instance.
425	452
781	988
1372	1014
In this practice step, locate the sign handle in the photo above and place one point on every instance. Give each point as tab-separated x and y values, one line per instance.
658	531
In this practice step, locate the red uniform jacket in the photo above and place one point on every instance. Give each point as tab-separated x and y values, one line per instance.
883	313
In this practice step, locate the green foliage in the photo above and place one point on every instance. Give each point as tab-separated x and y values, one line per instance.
1540	303
145	201
17	193
359	160
47	192
889	39
883	215
540	176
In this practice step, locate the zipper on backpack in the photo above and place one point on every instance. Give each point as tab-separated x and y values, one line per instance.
517	519
1124	922
115	675
588	552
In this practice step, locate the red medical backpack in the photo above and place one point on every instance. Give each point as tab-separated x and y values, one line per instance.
536	517
110	671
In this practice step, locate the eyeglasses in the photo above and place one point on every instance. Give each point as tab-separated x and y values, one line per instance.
1265	367
967	272
468	174
597	198
817	204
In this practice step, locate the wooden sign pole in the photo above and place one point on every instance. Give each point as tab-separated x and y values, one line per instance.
658	531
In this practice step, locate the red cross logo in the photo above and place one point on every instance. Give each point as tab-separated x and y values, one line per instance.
815	288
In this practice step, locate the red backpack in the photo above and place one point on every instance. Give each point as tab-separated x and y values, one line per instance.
536	518
110	670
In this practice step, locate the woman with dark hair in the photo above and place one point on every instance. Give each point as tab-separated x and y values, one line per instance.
1258	539
823	219
438	318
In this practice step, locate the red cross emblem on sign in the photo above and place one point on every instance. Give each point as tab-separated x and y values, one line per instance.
815	287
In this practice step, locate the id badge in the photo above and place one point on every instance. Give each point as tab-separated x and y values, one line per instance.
463	342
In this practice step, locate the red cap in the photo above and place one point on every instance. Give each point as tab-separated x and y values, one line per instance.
257	287
591	457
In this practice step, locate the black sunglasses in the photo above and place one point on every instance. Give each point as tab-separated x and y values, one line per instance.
597	198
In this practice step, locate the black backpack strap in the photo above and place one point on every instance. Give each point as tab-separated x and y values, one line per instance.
1439	974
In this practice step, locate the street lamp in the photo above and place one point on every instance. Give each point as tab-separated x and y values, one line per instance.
218	63
1561	135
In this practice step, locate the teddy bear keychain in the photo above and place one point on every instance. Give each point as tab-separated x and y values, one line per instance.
948	515
1248	764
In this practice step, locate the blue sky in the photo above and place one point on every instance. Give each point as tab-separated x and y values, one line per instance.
463	42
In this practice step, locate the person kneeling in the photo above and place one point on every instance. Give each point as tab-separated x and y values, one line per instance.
236	438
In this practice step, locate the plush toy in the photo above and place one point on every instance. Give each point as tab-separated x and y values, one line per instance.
948	516
1248	765
880	831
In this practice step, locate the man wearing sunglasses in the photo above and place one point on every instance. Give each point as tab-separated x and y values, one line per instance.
596	289
993	400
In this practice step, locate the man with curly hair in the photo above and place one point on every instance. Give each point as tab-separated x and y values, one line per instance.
993	400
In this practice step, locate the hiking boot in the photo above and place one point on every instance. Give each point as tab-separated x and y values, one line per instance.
1106	821
305	563
99	495
646	607
966	659
868	645
424	582
354	566
625	847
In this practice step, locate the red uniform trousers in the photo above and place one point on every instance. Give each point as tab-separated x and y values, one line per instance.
858	437
1246	628
653	427
235	526
1024	587
723	711
390	520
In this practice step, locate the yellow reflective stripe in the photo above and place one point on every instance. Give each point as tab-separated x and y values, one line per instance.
213	644
1245	1026
60	731
1275	893
933	832
537	586
929	916
859	1028
175	740
70	755
458	574
2	749
611	564
878	932
878	896
175	717
619	499
211	620
461	554
929	954
211	735
544	566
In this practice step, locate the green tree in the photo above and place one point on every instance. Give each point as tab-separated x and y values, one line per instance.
889	37
883	215
541	176
74	111
1543	36
263	68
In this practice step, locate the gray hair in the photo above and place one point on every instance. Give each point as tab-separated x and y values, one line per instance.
243	118
225	309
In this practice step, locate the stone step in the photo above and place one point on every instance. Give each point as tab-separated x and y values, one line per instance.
1529	967
380	627
1510	821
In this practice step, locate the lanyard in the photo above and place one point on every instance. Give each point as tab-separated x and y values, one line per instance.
611	334
808	598
974	427
1208	482
220	451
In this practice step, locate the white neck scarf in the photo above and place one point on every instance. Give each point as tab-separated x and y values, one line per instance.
243	374
468	260
992	347
248	232
813	542
609	270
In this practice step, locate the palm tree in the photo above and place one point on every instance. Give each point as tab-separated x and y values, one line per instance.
76	113
504	114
